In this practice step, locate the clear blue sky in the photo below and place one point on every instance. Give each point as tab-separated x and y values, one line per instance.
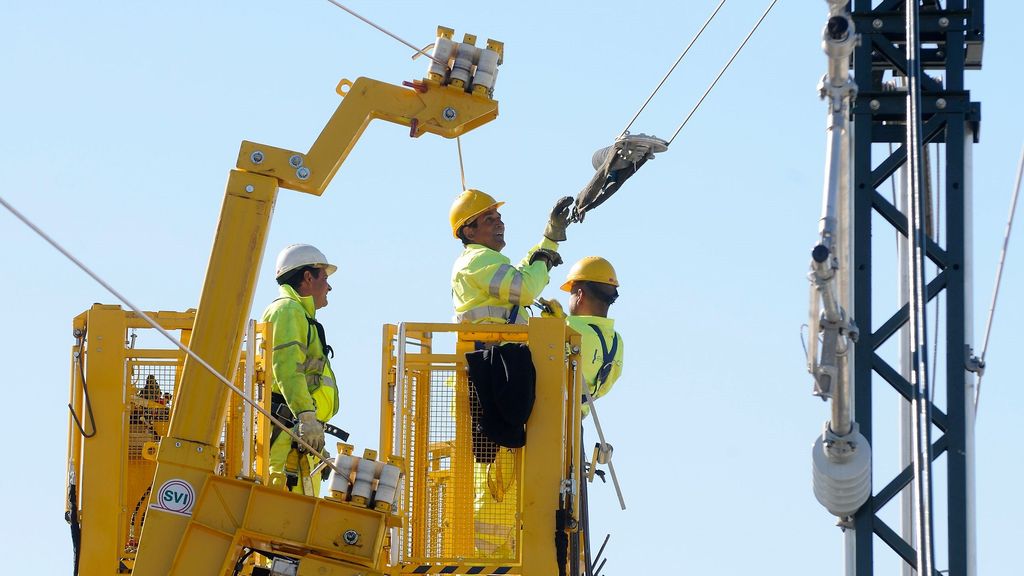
121	120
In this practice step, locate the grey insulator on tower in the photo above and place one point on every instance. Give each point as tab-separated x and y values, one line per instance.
842	471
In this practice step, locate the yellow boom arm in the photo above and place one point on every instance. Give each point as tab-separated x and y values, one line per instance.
187	455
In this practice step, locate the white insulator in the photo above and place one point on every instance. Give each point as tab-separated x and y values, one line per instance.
837	6
362	489
842	471
387	485
465	58
443	49
838	40
486	69
341	480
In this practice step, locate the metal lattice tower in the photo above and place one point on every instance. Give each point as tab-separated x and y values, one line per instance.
951	37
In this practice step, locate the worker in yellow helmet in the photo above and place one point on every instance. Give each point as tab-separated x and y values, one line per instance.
593	287
486	287
303	386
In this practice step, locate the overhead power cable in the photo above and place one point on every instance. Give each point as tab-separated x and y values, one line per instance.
389	33
999	274
462	168
724	68
616	163
672	69
145	317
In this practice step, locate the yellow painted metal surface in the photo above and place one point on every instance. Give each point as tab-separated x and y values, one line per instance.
443	110
199	523
434	528
237	251
187	456
427	418
131	392
102	502
231	513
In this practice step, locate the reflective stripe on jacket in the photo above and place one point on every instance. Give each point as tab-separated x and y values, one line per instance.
485	284
301	372
592	356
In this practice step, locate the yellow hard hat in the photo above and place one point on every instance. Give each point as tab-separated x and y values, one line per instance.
592	269
470	204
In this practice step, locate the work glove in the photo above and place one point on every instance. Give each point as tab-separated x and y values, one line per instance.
311	430
550	308
558	220
604	452
549	257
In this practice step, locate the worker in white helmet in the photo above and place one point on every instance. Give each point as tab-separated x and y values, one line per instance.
303	386
486	287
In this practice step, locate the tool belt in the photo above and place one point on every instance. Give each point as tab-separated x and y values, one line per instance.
279	408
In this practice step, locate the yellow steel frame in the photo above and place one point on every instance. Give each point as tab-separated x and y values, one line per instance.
232	514
113	469
429	107
187	457
438	508
107	484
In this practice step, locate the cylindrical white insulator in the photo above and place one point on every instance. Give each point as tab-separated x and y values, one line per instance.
387	484
465	58
842	480
486	69
443	48
838	40
340	480
362	489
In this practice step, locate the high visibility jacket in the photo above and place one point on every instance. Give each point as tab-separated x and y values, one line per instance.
301	372
486	287
592	353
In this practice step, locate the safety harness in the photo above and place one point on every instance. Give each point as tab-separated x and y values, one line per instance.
279	407
328	351
608	358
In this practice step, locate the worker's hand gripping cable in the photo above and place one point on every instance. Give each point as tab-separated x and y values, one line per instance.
145	317
558	220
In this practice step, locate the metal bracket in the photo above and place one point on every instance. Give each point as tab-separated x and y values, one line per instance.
972	363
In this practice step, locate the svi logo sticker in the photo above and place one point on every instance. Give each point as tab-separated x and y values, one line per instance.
175	496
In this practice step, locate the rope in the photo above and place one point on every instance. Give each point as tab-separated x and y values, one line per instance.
726	67
672	69
80	359
999	275
462	169
145	317
396	37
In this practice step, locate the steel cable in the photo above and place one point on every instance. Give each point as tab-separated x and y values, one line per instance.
724	68
389	33
145	317
999	275
672	69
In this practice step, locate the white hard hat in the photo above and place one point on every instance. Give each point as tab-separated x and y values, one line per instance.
299	255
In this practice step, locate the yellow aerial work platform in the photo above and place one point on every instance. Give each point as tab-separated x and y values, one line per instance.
237	525
166	465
